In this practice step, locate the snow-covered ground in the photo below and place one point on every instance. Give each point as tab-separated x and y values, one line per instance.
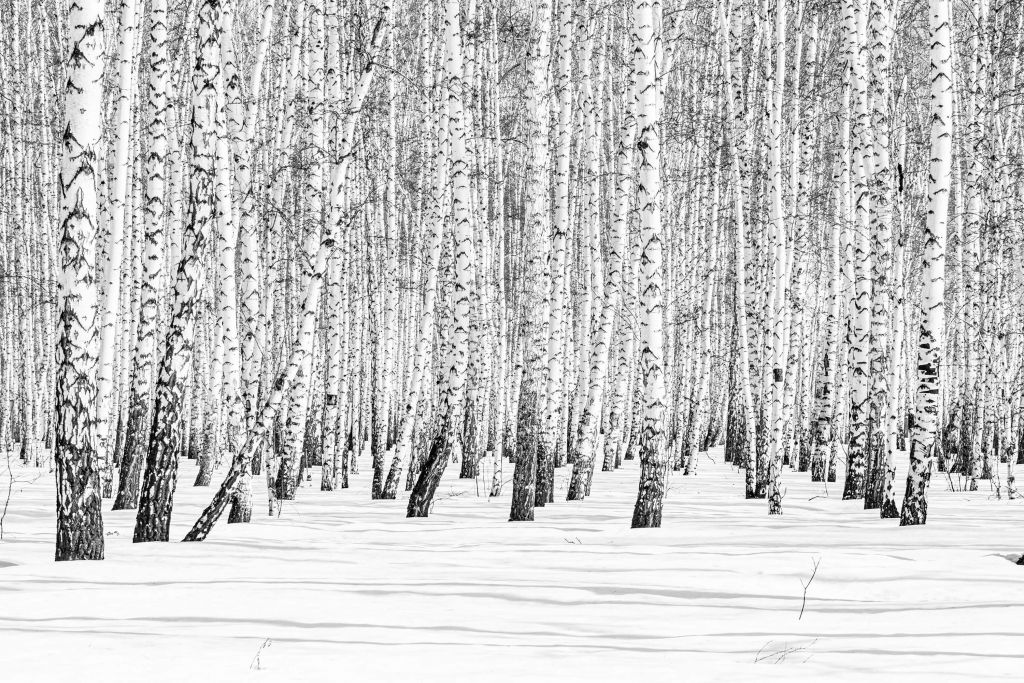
342	588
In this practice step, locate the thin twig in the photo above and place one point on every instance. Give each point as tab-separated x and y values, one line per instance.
255	663
803	602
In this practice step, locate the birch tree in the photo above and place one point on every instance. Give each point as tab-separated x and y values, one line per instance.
157	500
646	57
79	514
932	313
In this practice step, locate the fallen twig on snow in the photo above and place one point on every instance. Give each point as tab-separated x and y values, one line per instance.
780	655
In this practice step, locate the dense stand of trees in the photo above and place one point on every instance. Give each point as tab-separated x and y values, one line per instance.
292	239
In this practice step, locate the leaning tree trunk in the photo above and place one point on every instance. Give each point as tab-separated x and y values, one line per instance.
310	304
153	521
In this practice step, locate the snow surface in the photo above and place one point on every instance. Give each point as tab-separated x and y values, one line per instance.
339	587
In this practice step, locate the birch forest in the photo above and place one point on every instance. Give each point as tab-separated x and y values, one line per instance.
612	286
